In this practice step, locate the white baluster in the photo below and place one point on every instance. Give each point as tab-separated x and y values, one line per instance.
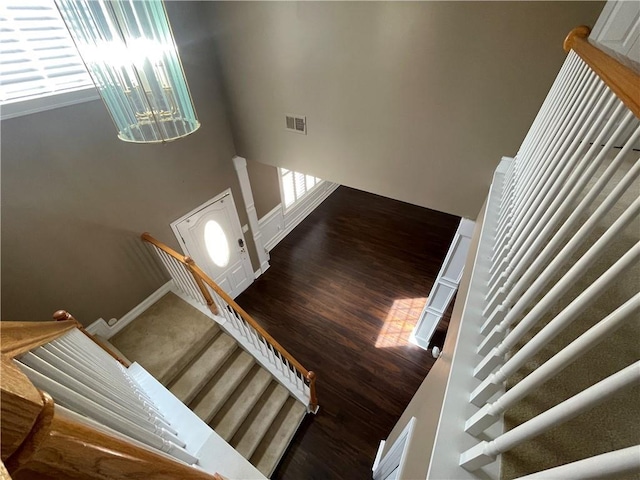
76	402
560	214
530	287
557	185
491	413
486	452
492	384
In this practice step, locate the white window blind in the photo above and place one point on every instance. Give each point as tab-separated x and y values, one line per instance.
296	185
37	56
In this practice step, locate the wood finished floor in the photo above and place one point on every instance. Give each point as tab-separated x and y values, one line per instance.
325	298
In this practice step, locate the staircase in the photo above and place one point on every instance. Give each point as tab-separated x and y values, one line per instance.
215	377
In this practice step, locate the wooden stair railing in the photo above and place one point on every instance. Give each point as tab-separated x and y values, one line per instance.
623	80
188	263
202	279
40	440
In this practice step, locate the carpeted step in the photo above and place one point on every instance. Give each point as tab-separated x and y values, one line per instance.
239	405
166	337
216	392
253	429
277	439
200	371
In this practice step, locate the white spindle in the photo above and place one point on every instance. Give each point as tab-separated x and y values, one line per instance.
558	215
555	293
135	404
535	172
491	385
607	465
490	413
546	116
575	155
547	175
71	399
486	452
535	286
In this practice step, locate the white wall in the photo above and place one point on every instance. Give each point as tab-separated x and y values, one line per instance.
416	101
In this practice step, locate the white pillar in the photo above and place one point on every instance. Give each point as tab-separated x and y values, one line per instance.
247	195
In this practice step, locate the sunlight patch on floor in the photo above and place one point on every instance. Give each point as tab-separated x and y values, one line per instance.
401	319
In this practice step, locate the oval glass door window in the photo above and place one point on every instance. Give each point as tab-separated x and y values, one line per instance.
216	243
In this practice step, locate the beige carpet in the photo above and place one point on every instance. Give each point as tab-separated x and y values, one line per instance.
615	423
219	381
163	336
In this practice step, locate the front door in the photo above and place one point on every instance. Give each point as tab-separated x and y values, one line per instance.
211	235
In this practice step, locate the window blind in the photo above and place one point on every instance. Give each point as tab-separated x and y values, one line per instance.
37	55
296	185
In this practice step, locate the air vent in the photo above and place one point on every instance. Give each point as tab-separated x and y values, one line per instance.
296	123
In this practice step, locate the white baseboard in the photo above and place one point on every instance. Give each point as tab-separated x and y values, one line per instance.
102	328
277	224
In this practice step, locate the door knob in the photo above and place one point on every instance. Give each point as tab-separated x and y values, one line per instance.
241	242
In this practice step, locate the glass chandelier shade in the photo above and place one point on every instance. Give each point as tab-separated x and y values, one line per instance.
128	48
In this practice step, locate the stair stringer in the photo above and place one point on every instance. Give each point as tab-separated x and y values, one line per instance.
279	374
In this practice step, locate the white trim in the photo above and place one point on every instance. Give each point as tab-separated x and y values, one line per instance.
247	195
28	106
376	461
397	454
450	439
445	286
102	328
278	223
618	29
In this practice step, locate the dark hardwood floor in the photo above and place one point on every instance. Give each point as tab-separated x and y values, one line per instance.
327	297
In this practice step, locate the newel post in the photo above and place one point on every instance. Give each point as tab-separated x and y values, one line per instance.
313	399
203	288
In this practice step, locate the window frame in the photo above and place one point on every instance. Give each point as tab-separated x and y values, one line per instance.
50	100
298	199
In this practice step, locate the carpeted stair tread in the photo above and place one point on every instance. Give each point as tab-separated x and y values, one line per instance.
278	437
209	401
253	429
196	375
239	405
166	337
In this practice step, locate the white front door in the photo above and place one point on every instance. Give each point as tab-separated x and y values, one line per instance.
211	234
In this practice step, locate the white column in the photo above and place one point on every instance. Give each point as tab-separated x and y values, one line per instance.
247	195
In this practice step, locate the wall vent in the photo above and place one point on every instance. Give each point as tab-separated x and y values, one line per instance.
296	123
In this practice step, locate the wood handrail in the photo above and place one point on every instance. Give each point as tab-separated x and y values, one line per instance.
197	272
21	337
62	446
225	296
623	80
